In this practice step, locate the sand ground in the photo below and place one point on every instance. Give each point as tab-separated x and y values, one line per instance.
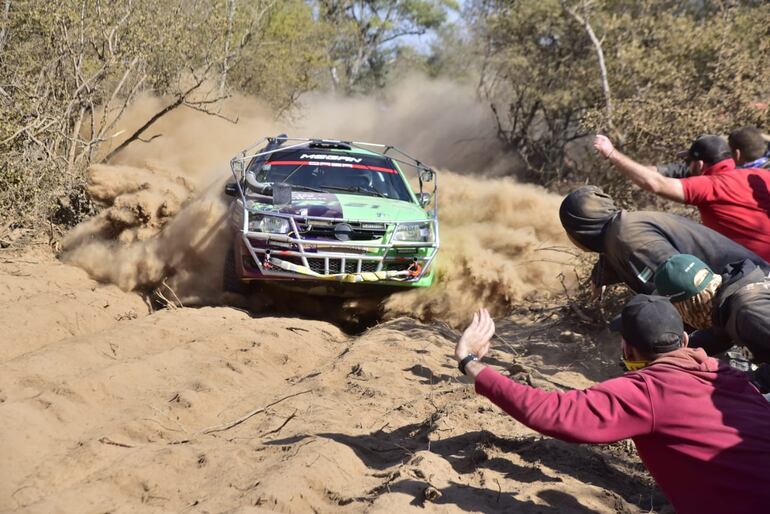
107	406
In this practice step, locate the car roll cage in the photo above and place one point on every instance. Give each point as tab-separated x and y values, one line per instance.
303	246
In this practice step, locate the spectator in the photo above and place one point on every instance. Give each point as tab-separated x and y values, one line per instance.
734	202
749	148
700	427
633	245
727	309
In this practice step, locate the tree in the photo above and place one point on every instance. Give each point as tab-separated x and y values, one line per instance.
533	60
368	34
287	59
674	69
69	71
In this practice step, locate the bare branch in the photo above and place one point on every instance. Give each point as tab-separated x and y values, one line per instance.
4	28
74	139
106	127
196	107
238	421
231	5
583	20
180	100
152	138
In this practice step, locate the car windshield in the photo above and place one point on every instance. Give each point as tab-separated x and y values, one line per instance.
334	172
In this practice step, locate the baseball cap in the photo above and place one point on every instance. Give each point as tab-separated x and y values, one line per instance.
708	148
650	324
682	276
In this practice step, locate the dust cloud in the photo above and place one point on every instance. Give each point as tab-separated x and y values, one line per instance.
501	241
164	222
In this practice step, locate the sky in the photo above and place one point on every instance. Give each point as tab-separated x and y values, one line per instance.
422	43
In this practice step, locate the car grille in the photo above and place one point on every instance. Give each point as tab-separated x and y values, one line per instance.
335	265
319	231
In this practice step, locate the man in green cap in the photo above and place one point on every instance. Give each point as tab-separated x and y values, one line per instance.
727	309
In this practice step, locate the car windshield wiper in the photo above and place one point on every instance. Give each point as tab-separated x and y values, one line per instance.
305	188
357	189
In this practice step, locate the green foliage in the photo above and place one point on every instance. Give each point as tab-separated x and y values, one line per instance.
367	35
534	59
70	69
675	70
288	59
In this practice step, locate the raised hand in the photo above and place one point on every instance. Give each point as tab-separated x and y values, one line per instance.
603	145
476	337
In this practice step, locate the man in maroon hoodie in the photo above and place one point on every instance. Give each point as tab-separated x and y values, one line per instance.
700	427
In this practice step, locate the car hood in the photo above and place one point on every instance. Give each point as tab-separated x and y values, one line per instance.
343	206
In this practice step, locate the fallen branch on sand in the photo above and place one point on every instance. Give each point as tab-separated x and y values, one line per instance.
276	430
236	422
107	440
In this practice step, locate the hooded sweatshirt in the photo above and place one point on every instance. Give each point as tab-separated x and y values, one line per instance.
701	429
584	214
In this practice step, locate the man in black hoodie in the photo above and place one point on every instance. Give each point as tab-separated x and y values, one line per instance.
728	308
633	245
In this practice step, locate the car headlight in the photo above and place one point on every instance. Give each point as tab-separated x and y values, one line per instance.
414	232
270	224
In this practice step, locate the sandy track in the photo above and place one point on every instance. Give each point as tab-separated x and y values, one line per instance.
127	413
42	301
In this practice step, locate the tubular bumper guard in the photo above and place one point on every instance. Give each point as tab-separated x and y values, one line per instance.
270	259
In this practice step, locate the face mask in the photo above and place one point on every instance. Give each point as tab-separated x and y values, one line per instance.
631	365
635	365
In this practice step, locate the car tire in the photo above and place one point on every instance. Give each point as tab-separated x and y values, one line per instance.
230	281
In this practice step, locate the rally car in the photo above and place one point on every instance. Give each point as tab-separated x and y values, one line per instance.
330	217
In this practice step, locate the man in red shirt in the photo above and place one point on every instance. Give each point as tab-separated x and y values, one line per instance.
701	429
732	201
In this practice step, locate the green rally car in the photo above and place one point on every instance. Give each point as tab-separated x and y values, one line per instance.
330	217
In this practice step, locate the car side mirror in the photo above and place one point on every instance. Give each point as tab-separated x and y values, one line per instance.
236	164
426	175
231	189
281	194
424	199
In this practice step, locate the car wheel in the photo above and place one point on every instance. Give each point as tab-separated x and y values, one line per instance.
230	281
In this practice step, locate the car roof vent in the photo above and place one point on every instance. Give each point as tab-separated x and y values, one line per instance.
330	144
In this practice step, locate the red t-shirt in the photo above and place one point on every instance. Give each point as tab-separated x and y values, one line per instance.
701	428
735	202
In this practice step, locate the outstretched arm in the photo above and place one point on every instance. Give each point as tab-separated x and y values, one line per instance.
610	411
607	412
643	176
677	169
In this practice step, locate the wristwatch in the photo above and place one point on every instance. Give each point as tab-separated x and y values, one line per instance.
468	358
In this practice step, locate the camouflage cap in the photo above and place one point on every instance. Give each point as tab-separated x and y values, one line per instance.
681	277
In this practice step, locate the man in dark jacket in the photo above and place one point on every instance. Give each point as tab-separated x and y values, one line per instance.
700	427
727	309
633	245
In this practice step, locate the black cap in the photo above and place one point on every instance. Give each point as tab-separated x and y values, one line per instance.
650	324
709	149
